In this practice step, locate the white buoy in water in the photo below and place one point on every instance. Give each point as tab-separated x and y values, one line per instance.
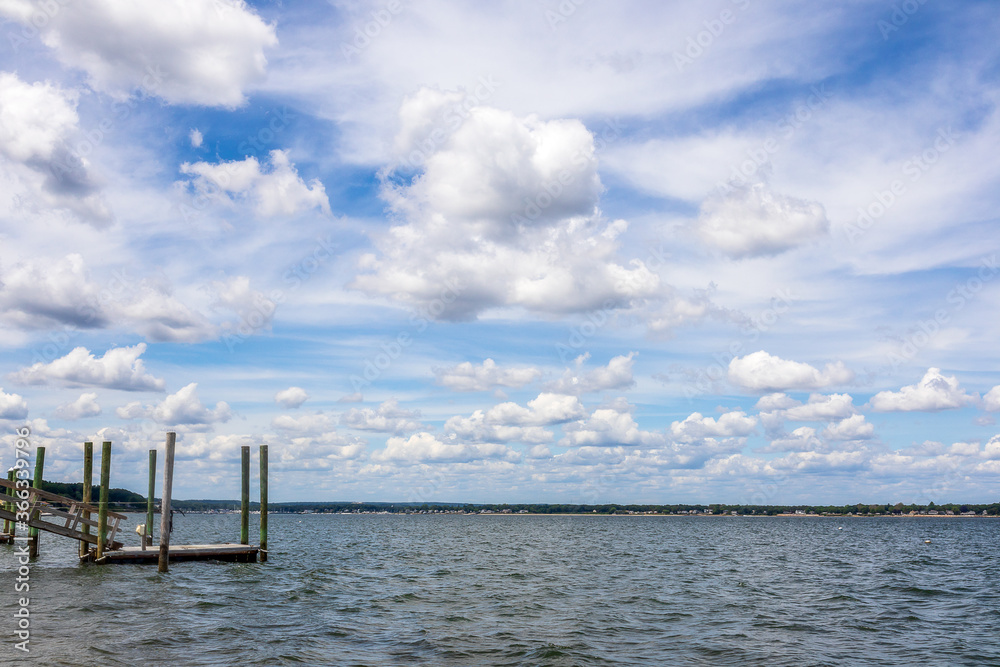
840	527
927	541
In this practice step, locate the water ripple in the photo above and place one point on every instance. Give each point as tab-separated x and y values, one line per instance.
494	590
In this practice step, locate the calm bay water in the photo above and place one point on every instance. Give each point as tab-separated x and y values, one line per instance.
531	590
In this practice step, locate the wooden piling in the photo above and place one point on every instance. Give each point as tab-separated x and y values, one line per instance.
148	537
102	508
9	527
245	495
168	481
263	503
37	483
88	484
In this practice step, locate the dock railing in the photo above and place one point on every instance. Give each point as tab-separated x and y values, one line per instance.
43	507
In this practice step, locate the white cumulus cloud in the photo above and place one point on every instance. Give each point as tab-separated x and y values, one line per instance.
776	401
544	410
752	220
822	408
609	427
119	368
315	423
183	51
254	310
934	392
478	427
181	408
42	293
616	375
277	190
386	418
84	406
503	212
510	422
38	123
991	401
729	425
35	119
467	376
39	295
852	428
151	309
802	439
12	406
761	371
292	397
425	447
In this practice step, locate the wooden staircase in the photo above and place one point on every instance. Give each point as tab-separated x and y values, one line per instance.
57	514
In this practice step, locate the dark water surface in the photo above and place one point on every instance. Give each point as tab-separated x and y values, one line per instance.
531	590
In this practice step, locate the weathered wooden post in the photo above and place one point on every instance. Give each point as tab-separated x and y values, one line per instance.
33	532
88	484
102	508
263	503
148	537
245	495
168	482
9	527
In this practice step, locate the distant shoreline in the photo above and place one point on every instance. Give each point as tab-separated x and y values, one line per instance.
596	514
751	516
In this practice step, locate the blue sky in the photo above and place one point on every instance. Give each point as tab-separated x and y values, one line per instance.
535	251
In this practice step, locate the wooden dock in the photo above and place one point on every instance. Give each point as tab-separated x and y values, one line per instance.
24	506
237	553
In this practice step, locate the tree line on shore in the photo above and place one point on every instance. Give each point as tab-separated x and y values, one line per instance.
125	500
992	509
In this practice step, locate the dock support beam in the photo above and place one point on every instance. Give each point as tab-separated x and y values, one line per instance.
148	537
88	485
102	508
168	483
245	495
33	532
263	503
